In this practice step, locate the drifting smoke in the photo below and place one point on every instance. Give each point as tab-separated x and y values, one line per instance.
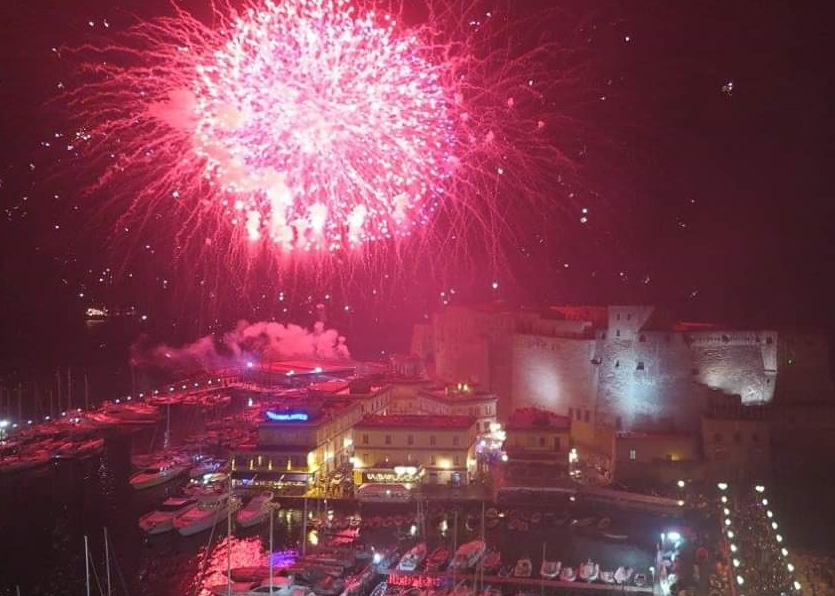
256	342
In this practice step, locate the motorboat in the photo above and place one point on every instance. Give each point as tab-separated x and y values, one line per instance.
615	537
158	474
607	577
641	580
72	450
205	466
162	520
604	523
280	586
589	571
468	555
413	558
205	514
523	568
437	559
253	573
492	561
582	522
256	511
567	574
10	465
550	569
623	575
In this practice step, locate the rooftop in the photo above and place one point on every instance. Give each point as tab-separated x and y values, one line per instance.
459	392
644	436
535	418
417	421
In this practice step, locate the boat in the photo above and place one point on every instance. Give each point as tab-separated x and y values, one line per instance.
641	580
523	568
205	514
162	520
536	517
607	577
256	511
492	561
254	573
589	571
468	555
281	586
413	558
615	537
438	559
582	522
72	450
623	575
206	466
604	523
567	574
158	474
550	569
11	465
562	519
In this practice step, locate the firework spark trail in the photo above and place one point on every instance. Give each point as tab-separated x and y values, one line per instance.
317	126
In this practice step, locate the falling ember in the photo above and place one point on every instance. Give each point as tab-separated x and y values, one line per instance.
312	125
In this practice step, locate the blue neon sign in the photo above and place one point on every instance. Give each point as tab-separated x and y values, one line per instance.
287	417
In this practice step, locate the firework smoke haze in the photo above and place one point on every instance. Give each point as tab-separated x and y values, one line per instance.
316	128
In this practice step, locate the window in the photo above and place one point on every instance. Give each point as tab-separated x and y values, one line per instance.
642	338
769	340
455	441
618	316
571	412
629	317
737	437
579	413
432	440
542	441
432	459
617	363
667	338
603	335
632	455
618	423
456	460
617	333
586	416
556	443
365	439
388	439
640	366
410	439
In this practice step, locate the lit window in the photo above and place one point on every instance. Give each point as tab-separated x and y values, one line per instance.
632	455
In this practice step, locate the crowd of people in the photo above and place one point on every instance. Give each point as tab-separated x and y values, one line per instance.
760	557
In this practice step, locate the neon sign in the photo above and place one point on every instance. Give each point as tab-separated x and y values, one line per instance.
287	417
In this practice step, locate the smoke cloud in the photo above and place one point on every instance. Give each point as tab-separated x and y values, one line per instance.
247	342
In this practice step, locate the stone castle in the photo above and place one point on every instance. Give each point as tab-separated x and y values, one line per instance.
620	367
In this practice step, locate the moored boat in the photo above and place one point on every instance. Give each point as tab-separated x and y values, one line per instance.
162	520
523	568
205	514
413	558
607	577
589	571
492	561
550	569
468	555
438	559
256	511
158	474
567	574
623	575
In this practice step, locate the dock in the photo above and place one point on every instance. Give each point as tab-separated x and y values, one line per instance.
495	580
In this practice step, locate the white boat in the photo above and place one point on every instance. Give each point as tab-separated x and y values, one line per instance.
607	577
567	574
641	580
256	511
623	575
523	568
550	569
281	586
413	558
205	514
468	555
162	520
589	571
158	474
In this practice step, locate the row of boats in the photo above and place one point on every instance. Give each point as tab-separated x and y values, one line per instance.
195	513
475	554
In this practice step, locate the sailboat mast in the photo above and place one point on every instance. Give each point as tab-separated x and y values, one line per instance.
107	562
228	535
87	563
270	558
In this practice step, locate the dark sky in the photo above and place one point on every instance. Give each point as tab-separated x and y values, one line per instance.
715	204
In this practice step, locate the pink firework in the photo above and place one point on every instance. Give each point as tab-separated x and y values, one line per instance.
314	125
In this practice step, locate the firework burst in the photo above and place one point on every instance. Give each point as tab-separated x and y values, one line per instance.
320	127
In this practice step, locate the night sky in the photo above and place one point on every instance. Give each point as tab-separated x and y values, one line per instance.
710	195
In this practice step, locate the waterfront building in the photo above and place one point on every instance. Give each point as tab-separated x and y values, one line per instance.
537	447
414	448
302	439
